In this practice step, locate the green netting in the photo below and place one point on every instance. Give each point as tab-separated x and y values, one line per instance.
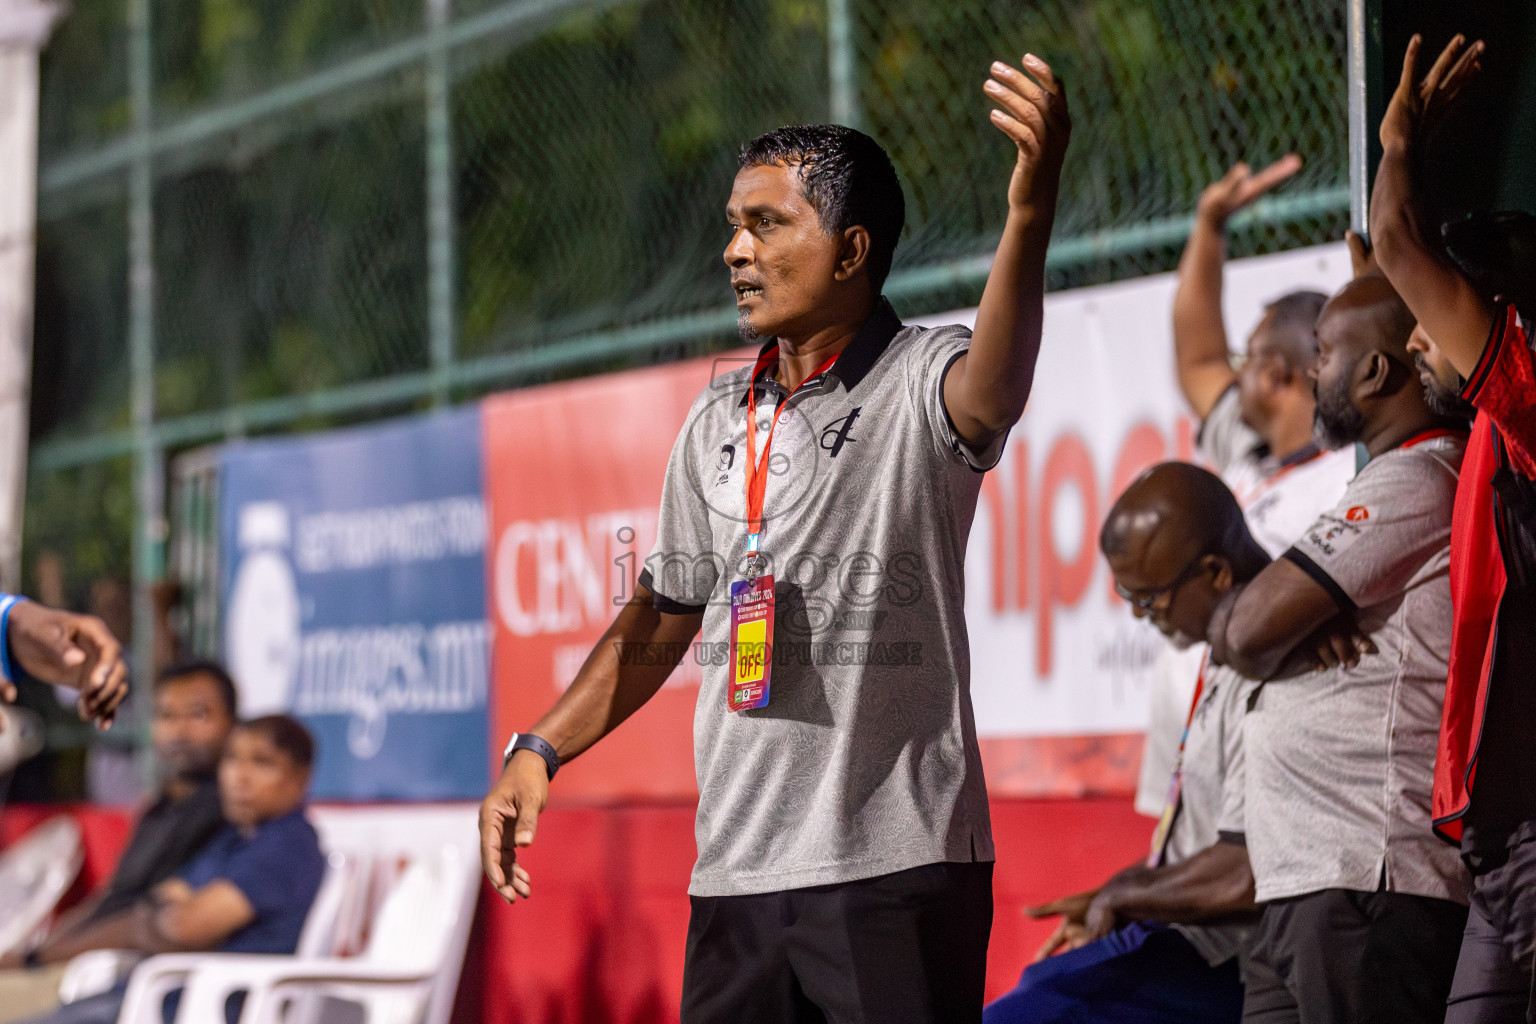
79	359
301	268
84	100
594	162
208	51
587	147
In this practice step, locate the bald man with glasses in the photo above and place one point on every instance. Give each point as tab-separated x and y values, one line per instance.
1164	939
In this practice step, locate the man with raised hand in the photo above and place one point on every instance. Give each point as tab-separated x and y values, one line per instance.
1363	907
813	521
1473	345
1256	420
1161	942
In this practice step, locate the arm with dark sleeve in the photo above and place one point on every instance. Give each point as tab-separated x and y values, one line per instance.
1503	386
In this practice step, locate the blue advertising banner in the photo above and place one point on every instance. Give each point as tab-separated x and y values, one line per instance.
354	597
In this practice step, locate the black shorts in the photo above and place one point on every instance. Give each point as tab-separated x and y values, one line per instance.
1344	957
905	947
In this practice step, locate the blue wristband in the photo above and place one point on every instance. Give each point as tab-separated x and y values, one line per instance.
7	602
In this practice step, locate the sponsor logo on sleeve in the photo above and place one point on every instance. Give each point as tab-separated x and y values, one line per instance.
1332	535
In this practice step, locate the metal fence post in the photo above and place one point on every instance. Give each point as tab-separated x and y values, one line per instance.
440	203
1366	101
842	67
148	489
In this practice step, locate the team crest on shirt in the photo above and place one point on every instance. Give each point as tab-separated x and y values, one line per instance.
1358	514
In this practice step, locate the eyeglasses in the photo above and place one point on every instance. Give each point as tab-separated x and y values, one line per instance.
1144	602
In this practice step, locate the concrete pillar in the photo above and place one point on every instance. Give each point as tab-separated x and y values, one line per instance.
24	27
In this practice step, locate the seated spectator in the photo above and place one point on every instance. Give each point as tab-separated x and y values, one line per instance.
251	887
194	712
1475	347
1162	940
1363	907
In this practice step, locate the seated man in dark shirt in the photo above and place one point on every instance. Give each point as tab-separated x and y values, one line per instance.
194	712
251	887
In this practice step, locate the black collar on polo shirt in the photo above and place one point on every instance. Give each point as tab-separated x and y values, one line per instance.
858	358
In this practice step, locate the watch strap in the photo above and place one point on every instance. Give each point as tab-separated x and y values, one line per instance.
528	741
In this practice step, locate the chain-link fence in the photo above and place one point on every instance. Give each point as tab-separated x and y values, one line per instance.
276	214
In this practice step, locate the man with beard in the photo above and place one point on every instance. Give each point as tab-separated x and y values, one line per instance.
845	854
194	711
1485	780
1363	907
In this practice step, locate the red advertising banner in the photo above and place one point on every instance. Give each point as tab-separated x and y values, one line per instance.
573	476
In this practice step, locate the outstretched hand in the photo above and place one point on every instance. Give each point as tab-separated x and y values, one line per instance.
509	818
1417	108
65	649
1033	113
1241	186
1070	931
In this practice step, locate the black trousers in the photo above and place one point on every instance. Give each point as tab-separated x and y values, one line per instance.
1493	976
1343	957
905	947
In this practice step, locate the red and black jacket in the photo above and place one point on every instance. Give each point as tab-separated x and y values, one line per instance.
1492	549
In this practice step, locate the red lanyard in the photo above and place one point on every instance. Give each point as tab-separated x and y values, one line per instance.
1194	704
756	469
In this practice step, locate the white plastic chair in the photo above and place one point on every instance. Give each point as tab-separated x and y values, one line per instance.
35	873
409	966
99	970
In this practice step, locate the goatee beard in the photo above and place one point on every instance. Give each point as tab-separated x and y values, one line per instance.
1440	399
745	331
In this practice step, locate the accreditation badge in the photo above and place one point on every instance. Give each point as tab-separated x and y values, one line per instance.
751	643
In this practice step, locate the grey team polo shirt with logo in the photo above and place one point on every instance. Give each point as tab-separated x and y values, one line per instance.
1340	763
865	761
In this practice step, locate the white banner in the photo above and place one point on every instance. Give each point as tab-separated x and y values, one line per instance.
1054	652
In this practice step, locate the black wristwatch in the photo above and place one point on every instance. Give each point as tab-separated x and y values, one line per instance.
528	741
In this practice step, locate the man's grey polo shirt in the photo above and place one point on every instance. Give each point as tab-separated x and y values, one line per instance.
865	759
1340	763
1212	783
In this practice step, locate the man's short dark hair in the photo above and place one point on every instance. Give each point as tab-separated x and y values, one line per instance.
228	695
846	177
287	735
1293	327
